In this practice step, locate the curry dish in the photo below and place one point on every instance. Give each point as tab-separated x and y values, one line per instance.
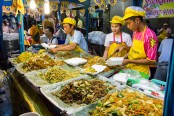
83	91
128	103
55	74
41	61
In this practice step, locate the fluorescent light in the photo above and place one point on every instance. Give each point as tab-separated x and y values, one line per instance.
32	4
46	7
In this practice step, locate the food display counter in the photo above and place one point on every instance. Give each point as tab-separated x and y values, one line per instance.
50	86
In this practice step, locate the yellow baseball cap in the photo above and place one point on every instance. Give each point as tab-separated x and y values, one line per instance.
69	21
133	11
117	19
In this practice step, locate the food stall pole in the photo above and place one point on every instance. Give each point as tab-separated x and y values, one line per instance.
20	18
137	2
169	95
1	36
87	4
27	19
59	14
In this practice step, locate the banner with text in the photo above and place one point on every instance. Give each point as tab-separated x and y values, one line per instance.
159	8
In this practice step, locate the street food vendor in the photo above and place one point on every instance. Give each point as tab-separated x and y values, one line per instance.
116	38
143	51
74	39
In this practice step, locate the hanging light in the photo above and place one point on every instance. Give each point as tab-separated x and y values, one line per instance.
46	7
32	4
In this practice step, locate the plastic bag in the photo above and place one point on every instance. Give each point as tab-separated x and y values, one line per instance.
97	37
2	78
60	34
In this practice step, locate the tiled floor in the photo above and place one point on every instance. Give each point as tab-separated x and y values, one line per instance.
6	106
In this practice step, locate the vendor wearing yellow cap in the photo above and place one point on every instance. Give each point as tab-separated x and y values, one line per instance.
143	51
74	39
116	38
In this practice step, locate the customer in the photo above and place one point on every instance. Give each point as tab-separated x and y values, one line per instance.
143	51
116	38
74	39
47	23
34	32
163	32
49	33
6	28
79	23
164	50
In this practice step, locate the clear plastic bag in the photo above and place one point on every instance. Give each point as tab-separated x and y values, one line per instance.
3	78
60	34
97	37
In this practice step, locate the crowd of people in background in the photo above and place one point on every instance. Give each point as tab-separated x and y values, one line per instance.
9	28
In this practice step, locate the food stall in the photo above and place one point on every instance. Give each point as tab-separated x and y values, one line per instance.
71	74
70	83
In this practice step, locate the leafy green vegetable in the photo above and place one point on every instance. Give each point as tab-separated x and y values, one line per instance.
120	95
115	113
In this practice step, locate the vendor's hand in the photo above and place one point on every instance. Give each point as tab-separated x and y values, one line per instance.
104	58
125	62
120	48
53	50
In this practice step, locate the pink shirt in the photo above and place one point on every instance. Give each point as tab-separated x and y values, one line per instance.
150	43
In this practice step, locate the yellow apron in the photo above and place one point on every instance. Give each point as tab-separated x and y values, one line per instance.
162	36
137	52
114	45
26	42
78	48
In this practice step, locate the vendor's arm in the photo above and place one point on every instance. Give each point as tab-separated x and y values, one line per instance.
128	44
64	48
140	61
161	30
69	47
106	44
126	56
120	48
61	45
105	55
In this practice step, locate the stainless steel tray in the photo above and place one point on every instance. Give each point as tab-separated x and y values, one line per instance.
13	61
85	111
19	68
37	81
70	109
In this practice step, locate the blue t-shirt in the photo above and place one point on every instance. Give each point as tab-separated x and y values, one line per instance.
77	38
165	49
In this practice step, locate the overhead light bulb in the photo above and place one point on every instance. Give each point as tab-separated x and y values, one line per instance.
32	4
46	7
